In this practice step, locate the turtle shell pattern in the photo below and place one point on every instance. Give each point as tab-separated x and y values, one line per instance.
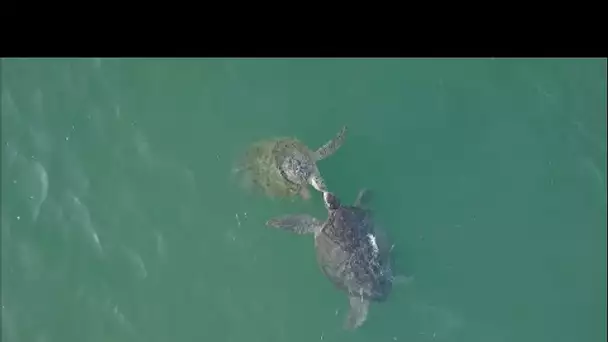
261	166
347	257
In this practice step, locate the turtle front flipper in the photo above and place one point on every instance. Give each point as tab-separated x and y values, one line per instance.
331	146
357	313
299	224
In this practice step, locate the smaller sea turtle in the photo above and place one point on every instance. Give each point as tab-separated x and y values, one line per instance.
285	166
351	250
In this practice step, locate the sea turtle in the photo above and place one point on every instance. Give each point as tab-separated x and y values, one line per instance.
283	167
351	250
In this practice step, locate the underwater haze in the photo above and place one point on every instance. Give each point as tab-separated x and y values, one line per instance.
123	218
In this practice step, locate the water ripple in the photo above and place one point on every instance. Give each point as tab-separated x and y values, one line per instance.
80	216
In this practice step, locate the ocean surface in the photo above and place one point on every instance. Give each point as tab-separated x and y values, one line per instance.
122	218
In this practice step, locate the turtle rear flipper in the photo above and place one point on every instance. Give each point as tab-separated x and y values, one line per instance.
299	224
357	313
331	146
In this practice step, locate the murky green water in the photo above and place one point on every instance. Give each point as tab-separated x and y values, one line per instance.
121	221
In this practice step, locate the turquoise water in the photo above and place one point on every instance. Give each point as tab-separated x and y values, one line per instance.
122	220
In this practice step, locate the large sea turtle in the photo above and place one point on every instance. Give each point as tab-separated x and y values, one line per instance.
352	251
283	167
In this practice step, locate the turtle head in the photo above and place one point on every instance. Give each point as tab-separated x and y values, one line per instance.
331	201
317	182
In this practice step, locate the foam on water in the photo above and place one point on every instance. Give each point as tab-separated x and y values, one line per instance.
43	190
30	180
80	217
137	263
